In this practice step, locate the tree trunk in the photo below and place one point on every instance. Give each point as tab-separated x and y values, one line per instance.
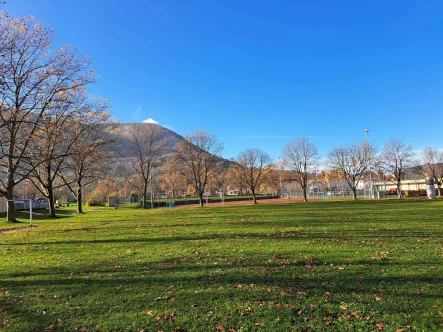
399	193
51	202
145	195
11	207
200	196
354	193
253	196
79	199
305	196
10	181
439	191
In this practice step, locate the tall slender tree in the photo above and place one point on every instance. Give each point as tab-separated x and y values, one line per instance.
301	156
147	145
395	159
198	156
253	165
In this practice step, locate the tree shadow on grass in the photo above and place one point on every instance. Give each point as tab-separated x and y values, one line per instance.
297	235
203	284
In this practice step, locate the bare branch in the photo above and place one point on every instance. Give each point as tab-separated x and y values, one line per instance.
301	156
198	158
351	162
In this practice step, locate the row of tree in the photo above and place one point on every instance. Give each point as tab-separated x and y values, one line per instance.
197	162
358	162
50	129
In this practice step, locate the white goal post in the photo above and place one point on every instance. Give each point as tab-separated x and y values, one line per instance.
4	205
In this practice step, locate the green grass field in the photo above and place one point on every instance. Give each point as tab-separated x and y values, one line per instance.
365	265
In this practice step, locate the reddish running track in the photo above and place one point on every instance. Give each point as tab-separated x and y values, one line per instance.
271	200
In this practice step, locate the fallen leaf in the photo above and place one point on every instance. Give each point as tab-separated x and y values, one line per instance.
380	325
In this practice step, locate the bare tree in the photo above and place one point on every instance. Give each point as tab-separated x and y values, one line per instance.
253	165
91	154
433	166
301	156
146	144
198	156
54	140
31	78
395	159
352	162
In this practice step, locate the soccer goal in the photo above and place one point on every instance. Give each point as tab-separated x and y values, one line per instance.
19	205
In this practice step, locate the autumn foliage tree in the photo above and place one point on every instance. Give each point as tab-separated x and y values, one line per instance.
218	182
32	77
173	180
234	178
91	154
54	141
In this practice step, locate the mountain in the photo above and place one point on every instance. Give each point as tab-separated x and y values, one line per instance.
171	138
123	151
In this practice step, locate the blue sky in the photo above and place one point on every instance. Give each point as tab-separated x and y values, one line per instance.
258	73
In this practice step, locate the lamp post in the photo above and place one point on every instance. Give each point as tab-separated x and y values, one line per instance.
370	172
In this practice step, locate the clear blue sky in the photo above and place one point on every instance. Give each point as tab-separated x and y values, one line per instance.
260	72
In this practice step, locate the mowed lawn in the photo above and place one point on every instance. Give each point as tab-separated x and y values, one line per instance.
365	265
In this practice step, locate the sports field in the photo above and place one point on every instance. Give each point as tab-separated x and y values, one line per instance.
335	265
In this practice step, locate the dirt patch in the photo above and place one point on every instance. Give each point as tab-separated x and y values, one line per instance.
17	229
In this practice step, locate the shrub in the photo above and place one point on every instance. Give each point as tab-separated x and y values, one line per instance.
415	193
95	201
